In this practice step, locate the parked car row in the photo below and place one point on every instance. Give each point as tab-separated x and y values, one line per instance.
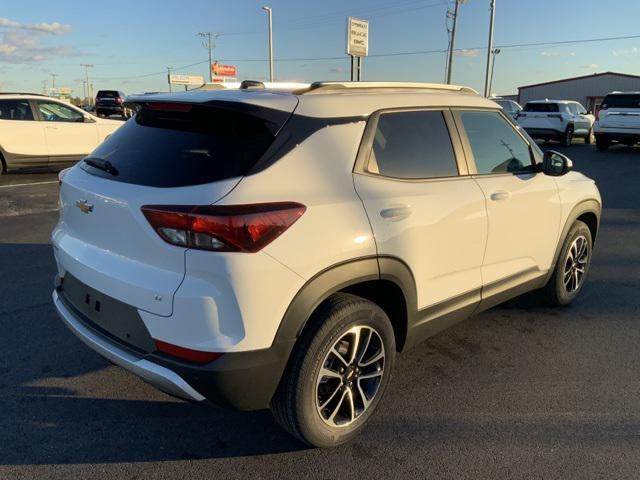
616	121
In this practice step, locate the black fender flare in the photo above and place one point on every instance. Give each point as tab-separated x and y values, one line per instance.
586	206
339	277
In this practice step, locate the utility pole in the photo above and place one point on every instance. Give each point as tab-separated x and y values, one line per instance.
53	81
169	78
494	52
44	87
269	14
209	45
452	42
87	66
487	79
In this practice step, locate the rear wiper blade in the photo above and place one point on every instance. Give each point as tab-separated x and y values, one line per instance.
100	164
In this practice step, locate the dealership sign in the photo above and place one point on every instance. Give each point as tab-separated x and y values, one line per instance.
357	37
224	70
186	79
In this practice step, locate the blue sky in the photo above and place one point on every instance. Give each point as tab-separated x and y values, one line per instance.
131	42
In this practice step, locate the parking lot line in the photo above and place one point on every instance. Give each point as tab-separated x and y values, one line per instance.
28	184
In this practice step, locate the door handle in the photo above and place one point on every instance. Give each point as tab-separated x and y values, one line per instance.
500	196
394	214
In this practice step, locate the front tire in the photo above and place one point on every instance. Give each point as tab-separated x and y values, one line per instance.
571	268
567	139
338	372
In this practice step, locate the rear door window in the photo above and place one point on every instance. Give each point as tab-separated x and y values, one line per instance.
541	107
496	146
175	145
621	101
15	110
412	145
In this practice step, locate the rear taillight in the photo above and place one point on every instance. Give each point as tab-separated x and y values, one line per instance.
598	110
194	356
119	100
229	228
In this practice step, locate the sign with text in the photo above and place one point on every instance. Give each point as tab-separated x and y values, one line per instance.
221	70
357	37
186	79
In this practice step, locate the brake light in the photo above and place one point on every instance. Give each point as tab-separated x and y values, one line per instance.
170	106
223	228
195	356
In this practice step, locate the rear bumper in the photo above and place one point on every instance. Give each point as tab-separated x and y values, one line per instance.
110	108
543	132
623	137
242	381
161	377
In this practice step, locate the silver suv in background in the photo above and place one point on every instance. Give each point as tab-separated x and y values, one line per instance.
557	120
510	107
618	120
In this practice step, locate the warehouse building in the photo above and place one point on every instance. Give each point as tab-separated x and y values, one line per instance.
589	90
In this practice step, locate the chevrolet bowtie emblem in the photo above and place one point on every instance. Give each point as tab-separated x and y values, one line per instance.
84	206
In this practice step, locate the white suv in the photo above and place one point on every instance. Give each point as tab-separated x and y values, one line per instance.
618	120
557	120
260	248
37	131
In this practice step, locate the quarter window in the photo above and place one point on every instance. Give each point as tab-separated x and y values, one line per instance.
15	110
412	145
56	112
496	146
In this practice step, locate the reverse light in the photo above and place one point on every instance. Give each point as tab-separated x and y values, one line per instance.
223	228
195	356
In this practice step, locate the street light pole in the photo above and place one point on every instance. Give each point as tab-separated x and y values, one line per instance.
169	78
495	52
452	43
87	66
53	81
487	80
209	45
269	14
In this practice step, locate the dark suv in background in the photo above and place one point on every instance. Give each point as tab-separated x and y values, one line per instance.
110	102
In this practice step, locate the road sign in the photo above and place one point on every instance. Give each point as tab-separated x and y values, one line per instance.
224	70
186	80
357	37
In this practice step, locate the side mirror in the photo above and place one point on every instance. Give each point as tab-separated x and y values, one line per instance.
589	112
556	164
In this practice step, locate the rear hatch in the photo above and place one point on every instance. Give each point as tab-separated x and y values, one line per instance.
107	97
178	150
542	116
620	111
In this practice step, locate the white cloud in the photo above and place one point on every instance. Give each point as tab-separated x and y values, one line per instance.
545	53
590	66
336	70
625	51
467	52
23	43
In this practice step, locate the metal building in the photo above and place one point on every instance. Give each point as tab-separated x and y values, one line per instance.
589	90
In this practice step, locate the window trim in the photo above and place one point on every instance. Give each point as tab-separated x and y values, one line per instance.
466	144
366	144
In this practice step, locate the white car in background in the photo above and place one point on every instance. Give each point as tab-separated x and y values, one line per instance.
618	120
560	120
510	107
36	131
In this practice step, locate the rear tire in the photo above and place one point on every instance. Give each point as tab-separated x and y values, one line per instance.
602	144
567	139
572	267
337	373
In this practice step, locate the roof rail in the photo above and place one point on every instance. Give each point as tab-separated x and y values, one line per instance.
24	93
328	86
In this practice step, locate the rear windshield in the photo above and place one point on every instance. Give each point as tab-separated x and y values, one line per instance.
541	107
108	93
165	148
621	101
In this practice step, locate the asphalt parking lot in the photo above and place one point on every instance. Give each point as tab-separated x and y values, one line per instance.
520	391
